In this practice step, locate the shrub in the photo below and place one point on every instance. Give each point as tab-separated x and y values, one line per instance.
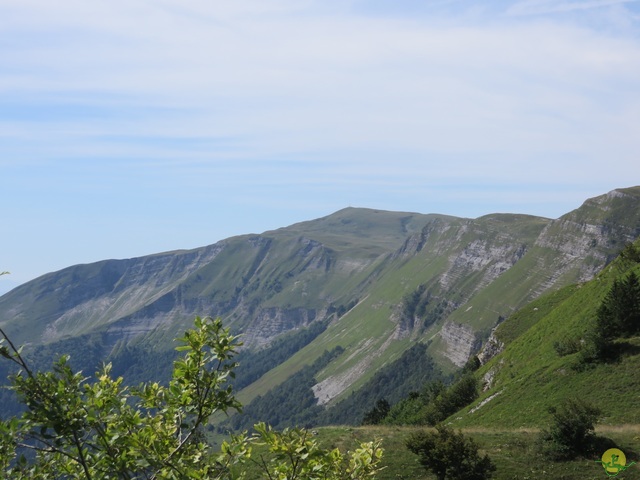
567	346
450	455
572	430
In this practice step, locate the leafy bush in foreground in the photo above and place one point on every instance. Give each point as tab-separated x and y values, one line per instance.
77	429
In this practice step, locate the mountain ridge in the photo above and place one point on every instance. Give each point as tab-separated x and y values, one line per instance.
356	269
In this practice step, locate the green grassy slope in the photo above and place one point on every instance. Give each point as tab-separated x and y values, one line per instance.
350	228
300	266
530	376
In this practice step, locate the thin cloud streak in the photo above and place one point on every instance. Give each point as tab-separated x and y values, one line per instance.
257	97
254	114
543	7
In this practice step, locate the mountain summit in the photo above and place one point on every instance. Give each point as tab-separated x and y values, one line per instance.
377	282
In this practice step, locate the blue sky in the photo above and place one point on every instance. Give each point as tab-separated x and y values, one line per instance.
134	127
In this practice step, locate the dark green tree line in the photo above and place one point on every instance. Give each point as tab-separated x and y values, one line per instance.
617	317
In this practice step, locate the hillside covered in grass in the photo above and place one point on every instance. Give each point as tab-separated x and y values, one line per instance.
535	370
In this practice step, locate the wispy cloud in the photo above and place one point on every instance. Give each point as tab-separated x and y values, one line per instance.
289	82
253	105
541	7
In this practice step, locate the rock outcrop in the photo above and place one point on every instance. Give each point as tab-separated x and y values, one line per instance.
460	341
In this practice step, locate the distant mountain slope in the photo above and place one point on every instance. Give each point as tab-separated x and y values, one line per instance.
473	273
381	280
289	275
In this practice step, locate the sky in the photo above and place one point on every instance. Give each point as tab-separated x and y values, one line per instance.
131	127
